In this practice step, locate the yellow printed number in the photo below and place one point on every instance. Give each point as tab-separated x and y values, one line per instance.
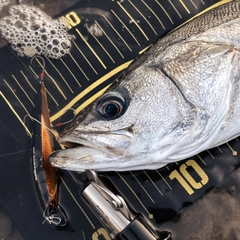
189	182
100	232
70	20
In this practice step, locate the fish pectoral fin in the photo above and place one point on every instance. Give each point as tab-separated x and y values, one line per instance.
217	50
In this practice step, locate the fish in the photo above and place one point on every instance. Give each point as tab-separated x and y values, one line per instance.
178	99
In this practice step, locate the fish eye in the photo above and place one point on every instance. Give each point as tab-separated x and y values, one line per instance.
111	107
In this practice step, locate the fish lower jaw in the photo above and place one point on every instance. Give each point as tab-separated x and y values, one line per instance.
112	144
79	145
79	158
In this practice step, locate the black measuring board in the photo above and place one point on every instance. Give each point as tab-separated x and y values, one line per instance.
107	37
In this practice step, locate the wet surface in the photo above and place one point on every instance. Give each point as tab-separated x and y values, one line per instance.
215	216
7	229
161	196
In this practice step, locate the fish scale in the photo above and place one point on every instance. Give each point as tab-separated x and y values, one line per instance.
175	101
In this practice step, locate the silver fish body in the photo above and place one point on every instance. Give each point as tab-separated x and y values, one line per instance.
178	99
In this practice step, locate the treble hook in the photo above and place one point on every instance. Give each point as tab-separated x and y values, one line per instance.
41	75
64	123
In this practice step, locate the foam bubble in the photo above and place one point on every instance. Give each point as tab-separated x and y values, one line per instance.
3	3
30	32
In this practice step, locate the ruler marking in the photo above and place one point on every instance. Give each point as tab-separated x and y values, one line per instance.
37	76
51	96
13	92
109	39
74	60
65	81
153	183
28	81
104	49
185	7
202	160
92	50
23	90
126	28
164	10
220	150
149	24
114	29
194	4
15	113
210	154
164	179
155	15
167	168
175	9
133	20
134	193
54	82
202	12
142	187
234	153
85	57
70	72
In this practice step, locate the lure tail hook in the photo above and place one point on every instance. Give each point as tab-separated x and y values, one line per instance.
55	215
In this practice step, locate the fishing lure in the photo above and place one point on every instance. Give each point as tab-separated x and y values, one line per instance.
45	175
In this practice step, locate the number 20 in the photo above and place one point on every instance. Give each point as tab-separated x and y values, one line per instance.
190	180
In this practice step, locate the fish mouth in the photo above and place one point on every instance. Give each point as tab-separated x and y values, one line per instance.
73	144
115	142
70	142
78	155
90	150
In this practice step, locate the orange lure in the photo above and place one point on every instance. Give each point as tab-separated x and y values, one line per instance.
47	179
47	148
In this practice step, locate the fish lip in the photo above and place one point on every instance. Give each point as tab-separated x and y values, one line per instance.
81	140
82	143
74	142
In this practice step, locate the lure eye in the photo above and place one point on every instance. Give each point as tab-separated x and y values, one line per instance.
111	108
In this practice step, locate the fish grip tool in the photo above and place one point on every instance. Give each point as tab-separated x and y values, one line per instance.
111	209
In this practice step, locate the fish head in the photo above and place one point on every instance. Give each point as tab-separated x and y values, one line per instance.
124	128
98	126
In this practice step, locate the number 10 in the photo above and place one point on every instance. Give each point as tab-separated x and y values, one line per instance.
190	184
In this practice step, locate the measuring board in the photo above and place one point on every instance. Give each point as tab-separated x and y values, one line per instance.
108	36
